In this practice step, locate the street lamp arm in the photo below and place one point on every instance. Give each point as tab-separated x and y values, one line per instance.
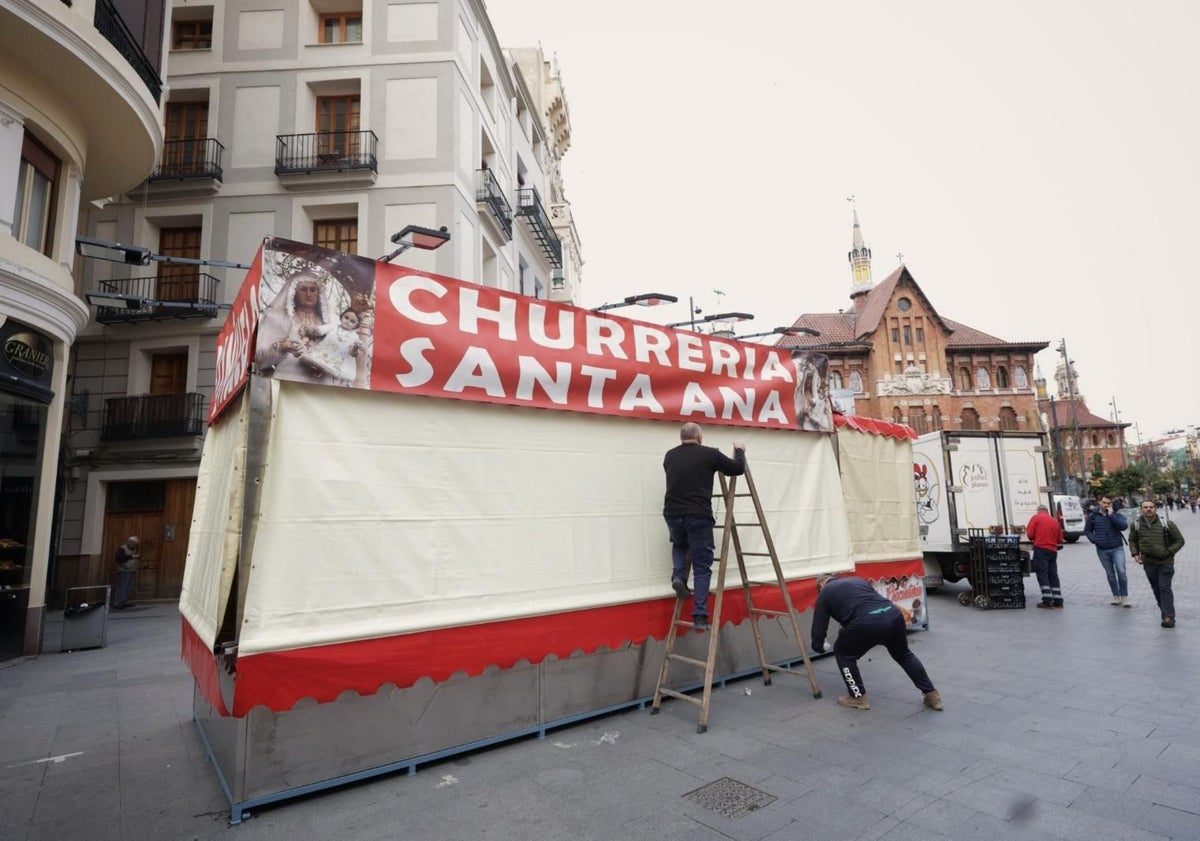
646	299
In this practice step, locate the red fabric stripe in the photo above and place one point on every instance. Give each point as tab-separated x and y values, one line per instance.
203	664
278	679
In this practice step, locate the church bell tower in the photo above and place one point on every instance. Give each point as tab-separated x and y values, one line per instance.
860	263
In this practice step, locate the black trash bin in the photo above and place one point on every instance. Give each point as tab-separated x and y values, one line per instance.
85	623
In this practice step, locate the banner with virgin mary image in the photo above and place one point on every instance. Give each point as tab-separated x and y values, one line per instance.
347	321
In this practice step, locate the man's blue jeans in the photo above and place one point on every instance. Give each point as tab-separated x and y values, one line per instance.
693	536
1113	561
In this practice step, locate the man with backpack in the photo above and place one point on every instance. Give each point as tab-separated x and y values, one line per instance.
1153	543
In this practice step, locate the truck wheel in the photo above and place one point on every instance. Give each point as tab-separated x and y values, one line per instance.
983	601
1071	538
965	599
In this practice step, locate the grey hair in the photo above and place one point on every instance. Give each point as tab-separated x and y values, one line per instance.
689	432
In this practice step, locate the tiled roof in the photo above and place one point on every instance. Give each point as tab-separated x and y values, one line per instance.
964	336
1063	416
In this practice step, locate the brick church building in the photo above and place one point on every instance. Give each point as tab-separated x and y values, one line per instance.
892	355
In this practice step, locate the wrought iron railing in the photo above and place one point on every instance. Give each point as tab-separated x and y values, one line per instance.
529	205
487	191
109	24
325	151
173	294
153	416
189	159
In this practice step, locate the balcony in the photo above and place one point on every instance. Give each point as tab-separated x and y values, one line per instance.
185	168
337	157
109	24
153	416
529	205
160	298
488	192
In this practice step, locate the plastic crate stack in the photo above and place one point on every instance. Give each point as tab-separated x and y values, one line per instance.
996	570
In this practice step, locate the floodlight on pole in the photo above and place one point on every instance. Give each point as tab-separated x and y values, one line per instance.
137	255
781	331
414	236
647	299
720	316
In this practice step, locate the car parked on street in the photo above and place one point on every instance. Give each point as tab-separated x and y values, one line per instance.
1069	511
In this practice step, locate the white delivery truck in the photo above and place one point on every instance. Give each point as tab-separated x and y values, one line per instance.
974	480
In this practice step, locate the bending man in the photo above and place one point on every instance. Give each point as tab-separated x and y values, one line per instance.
867	620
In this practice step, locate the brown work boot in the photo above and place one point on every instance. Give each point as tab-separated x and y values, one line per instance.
933	700
859	703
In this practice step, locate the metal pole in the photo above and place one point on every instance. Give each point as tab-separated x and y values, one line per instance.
1074	414
1120	432
692	312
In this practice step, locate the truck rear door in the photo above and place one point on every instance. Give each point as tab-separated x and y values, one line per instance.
1023	461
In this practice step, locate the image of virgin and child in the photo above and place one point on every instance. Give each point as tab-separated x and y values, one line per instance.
316	321
814	409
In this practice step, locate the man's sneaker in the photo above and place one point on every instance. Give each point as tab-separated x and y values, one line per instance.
1125	602
1168	622
933	700
1058	604
1116	601
681	588
1044	604
859	703
700	623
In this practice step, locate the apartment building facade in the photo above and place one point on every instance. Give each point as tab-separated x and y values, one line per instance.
79	120
335	123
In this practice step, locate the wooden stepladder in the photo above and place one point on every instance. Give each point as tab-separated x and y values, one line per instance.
730	538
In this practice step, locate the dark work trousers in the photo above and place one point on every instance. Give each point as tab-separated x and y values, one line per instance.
1045	566
1160	576
693	536
887	629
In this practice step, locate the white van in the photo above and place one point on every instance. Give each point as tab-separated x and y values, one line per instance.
1069	512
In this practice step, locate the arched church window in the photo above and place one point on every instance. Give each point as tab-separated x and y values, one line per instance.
835	379
964	378
856	381
970	419
982	380
1001	377
1020	378
1008	417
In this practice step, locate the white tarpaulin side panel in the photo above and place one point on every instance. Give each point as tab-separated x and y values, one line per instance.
216	525
383	515
880	500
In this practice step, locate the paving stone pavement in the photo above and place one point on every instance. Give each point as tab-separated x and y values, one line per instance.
1072	724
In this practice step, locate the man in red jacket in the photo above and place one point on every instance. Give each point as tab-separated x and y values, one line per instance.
1046	535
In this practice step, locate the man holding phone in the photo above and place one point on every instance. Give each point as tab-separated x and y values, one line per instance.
1103	528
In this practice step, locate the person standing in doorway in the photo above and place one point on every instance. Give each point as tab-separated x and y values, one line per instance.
1153	543
687	508
127	567
1103	528
1046	535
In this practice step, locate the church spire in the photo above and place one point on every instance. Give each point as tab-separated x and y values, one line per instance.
860	261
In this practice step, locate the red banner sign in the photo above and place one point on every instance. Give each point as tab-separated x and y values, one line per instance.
342	320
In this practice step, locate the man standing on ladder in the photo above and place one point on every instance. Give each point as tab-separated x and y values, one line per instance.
687	508
867	620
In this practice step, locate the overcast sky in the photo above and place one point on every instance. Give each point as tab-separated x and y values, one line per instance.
1036	163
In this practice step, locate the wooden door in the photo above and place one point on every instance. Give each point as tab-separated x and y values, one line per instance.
148	526
338	126
179	282
186	143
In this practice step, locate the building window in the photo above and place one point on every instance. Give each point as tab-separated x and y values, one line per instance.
35	196
1001	377
982	380
856	381
904	304
1020	378
1095	440
341	28
920	335
895	334
1008	418
338	125
835	379
191	35
337	234
897	415
179	281
936	414
964	378
970	419
907	335
916	419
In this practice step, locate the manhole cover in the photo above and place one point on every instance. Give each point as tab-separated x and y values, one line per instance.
729	797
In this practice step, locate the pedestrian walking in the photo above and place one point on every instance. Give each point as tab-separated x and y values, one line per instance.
1046	535
687	508
1153	543
127	565
867	619
1103	528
